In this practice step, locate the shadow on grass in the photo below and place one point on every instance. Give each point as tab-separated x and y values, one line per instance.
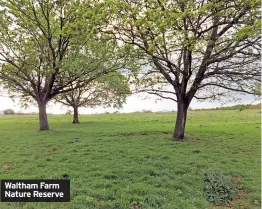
141	133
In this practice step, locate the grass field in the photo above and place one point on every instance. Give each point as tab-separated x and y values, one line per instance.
128	161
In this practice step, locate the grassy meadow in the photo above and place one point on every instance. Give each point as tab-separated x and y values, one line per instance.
128	161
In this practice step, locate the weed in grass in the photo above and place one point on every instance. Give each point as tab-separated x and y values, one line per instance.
218	188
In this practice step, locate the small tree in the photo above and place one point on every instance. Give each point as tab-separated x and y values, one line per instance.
109	91
69	112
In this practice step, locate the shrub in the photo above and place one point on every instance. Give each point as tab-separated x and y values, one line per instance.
9	112
218	188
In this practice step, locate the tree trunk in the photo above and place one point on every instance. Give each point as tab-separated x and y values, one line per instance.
75	119
179	131
43	122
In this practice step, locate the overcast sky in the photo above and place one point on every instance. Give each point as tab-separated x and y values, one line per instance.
134	103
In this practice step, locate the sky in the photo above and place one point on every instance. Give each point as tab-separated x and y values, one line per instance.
134	103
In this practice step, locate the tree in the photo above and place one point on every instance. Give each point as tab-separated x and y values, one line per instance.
46	47
195	48
109	91
69	112
9	112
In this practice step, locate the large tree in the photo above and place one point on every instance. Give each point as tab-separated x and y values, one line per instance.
195	48
51	47
108	91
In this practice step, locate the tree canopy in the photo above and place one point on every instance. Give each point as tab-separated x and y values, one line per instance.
109	90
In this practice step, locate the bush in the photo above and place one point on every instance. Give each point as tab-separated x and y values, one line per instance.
218	188
9	112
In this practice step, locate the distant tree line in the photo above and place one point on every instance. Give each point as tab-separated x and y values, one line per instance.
235	107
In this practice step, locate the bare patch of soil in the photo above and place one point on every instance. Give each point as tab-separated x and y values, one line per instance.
241	195
230	205
237	178
136	206
8	165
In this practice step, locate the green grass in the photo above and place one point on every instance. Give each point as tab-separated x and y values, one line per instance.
129	160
